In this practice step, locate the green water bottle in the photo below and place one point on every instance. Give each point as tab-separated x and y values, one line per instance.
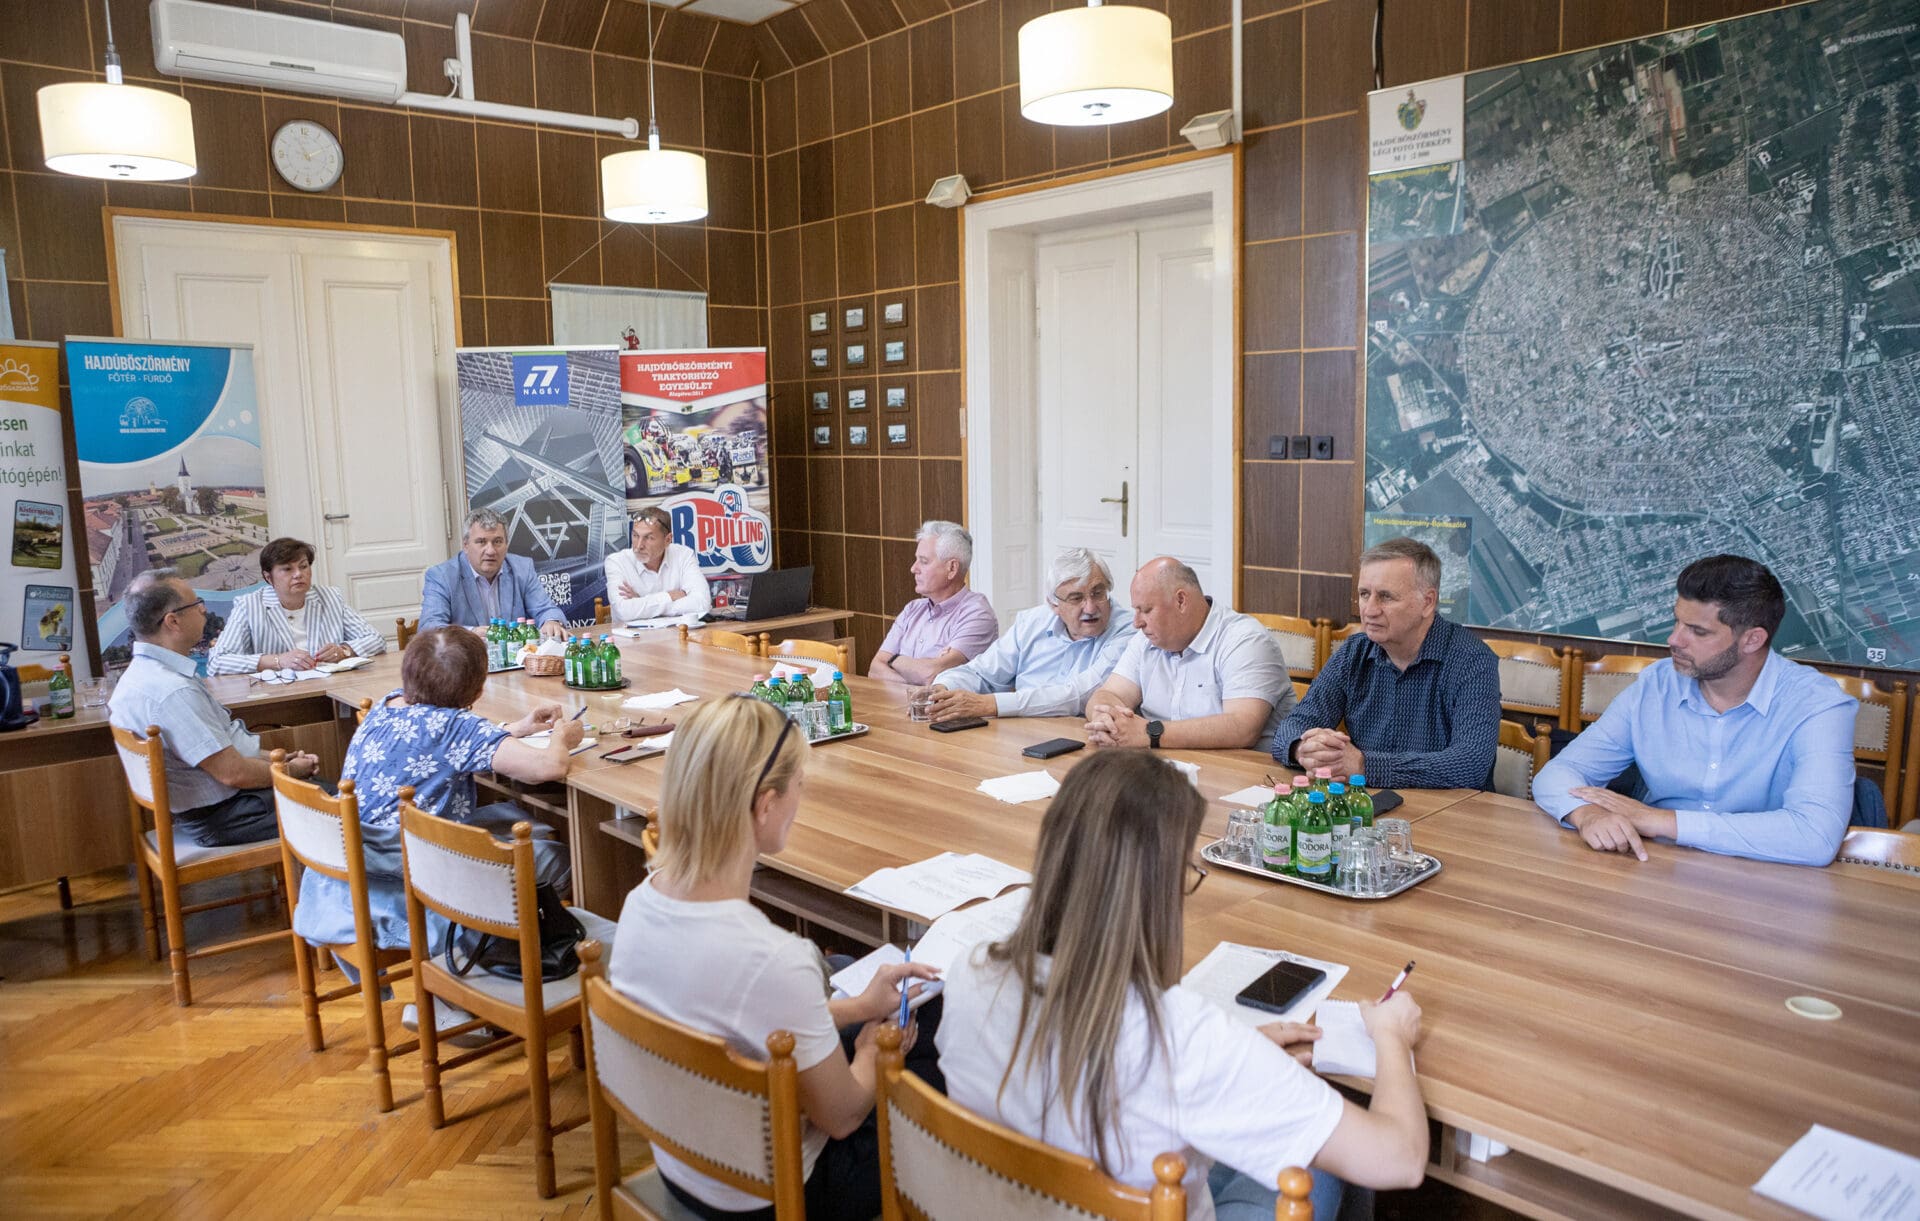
1341	819
800	690
60	689
1296	815
759	689
1359	801
570	660
612	652
777	692
1276	832
1316	840
839	706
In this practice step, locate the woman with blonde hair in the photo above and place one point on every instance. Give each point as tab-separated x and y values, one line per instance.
692	948
1076	1031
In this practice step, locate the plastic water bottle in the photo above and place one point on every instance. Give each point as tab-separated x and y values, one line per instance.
1316	840
839	706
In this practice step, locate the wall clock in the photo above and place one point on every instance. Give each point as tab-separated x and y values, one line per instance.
307	155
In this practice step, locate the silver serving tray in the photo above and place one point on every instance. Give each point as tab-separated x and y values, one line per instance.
1424	867
857	730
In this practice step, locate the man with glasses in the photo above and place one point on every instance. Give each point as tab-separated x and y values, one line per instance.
219	784
1055	655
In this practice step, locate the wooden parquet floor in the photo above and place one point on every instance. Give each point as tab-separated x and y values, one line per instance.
116	1103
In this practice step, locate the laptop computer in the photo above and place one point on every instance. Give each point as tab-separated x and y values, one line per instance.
770	595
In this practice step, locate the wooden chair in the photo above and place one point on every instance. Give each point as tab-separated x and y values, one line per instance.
938	1159
657	1074
1334	637
1299	641
1533	679
404	630
1879	733
177	863
322	833
602	613
1603	679
819	650
1885	849
718	638
466	875
1518	759
362	711
1910	783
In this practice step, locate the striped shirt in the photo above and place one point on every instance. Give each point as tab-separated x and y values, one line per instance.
258	626
1434	725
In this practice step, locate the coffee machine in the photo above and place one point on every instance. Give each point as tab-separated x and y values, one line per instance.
12	714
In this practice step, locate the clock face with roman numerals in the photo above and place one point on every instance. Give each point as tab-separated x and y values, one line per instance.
307	155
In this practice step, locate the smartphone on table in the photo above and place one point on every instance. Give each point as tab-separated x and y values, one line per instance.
970	722
1281	987
1053	748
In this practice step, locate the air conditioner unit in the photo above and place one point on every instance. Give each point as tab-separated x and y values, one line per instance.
216	42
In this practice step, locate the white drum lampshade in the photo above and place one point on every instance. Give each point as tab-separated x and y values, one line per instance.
116	131
653	186
1082	67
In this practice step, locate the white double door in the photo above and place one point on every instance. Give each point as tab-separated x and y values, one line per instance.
353	346
1124	375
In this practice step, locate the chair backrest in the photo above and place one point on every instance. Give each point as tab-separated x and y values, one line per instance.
1517	759
317	829
1879	730
818	650
403	631
468	876
1299	641
728	1117
145	762
33	674
363	710
1887	849
1333	637
1533	678
602	613
719	638
1603	679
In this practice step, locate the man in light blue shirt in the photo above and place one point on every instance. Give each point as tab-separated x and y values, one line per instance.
218	786
1055	656
1742	752
484	583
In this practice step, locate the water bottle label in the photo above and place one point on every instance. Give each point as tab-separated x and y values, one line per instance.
1275	840
1316	851
1341	830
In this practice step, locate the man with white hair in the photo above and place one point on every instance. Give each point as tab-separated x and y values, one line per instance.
1054	657
948	624
1198	675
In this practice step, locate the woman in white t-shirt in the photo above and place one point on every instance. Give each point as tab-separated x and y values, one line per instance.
693	948
1076	1031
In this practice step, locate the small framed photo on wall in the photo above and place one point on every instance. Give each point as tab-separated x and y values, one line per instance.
893	313
823	400
855	319
896	434
823	434
820	358
857	399
817	323
896	352
896	398
857	435
856	356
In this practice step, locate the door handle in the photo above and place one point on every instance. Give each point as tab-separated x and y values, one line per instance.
1120	500
336	516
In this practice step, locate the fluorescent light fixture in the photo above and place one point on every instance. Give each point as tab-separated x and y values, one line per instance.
116	130
1084	67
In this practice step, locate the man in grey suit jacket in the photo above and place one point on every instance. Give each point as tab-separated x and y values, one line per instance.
483	583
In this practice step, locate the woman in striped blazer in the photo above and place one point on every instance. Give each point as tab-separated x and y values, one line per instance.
291	624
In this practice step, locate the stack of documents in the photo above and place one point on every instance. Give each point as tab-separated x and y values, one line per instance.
657	701
950	939
1230	967
1022	786
1840	1178
937	885
1255	797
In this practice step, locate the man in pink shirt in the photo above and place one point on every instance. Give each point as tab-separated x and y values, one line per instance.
948	623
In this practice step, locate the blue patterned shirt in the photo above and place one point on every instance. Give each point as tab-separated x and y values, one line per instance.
436	750
1435	725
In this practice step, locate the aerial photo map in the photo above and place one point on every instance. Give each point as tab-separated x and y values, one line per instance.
1668	305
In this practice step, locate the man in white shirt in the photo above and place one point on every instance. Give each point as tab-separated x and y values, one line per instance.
657	577
1055	654
1197	676
219	786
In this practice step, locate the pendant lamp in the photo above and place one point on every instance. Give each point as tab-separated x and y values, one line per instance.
653	186
116	130
1106	63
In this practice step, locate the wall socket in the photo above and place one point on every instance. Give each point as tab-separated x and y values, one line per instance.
1323	447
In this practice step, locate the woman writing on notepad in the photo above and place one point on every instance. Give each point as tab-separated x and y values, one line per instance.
1076	1029
693	949
290	624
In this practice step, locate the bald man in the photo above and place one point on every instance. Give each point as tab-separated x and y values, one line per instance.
1197	676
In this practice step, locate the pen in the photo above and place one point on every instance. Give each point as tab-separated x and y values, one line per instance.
1397	981
903	993
576	716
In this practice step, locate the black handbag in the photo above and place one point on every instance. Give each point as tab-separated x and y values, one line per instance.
560	932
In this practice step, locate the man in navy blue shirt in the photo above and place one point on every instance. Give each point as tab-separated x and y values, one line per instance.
1420	696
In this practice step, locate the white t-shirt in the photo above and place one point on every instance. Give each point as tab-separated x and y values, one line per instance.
1225	1094
297	625
725	969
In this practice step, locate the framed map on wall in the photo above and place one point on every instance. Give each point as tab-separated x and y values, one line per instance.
1667	304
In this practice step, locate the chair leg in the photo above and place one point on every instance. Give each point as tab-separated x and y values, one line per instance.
376	1038
429	1054
577	1047
65	889
303	968
176	940
539	1090
143	879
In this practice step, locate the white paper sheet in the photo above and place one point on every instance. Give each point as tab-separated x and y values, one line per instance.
1344	1047
1190	770
640	627
1019	787
1838	1177
818	673
1254	797
657	701
541	740
935	886
1230	967
277	677
947	941
343	665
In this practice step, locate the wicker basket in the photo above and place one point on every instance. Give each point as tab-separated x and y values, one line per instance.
544	667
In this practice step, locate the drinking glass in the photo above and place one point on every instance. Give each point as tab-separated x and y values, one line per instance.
815	721
93	692
920	704
1398	833
1242	845
1364	865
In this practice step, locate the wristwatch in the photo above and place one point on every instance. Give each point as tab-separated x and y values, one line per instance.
1154	730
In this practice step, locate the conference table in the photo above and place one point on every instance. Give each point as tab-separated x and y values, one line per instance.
1620	1025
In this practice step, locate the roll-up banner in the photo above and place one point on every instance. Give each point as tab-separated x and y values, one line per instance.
38	603
171	471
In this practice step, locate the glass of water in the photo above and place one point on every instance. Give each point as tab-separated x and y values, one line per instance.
1398	833
1365	865
1242	845
920	704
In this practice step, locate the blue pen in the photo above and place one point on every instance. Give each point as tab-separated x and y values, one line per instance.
903	993
576	716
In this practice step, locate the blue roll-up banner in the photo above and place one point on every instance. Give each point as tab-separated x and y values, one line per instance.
171	472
